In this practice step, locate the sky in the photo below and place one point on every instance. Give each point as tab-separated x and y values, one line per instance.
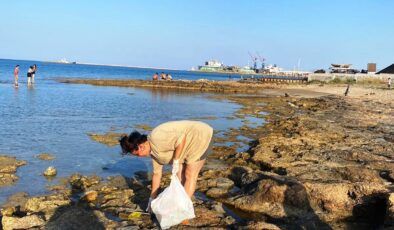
181	34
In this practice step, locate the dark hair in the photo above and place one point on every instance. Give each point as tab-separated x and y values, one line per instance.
130	143
17	66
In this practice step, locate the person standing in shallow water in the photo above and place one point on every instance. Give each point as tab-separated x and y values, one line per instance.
33	73
16	75
184	144
29	75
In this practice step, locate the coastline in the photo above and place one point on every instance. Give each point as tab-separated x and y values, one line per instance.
321	159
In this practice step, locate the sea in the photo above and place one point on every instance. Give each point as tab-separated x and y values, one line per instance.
56	118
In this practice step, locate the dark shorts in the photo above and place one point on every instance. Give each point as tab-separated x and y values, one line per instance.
208	151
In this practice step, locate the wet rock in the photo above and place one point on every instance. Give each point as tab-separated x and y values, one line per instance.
144	127
46	156
82	183
220	184
46	204
25	222
50	172
8	166
8	211
218	207
89	196
217	192
109	138
259	225
16	200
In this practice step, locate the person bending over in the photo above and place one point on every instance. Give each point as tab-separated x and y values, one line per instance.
184	144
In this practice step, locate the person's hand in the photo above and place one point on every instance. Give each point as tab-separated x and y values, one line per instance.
148	209
175	166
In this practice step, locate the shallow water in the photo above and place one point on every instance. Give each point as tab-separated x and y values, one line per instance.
55	118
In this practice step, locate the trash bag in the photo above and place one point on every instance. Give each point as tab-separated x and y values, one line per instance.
173	205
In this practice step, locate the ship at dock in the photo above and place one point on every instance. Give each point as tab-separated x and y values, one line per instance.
63	61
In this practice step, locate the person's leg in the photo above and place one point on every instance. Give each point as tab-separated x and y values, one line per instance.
29	81
32	78
191	174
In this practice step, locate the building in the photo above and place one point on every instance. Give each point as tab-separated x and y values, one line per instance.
343	68
371	68
387	70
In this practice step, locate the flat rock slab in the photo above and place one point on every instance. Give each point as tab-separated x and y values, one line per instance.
8	166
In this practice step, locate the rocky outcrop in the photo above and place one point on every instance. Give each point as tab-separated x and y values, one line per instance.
8	166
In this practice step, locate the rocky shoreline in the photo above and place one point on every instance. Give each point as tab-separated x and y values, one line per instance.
322	161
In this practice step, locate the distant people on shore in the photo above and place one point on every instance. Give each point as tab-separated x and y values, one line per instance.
29	75
33	73
155	77
16	75
163	76
389	82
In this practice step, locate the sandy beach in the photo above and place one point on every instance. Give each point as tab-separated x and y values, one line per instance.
322	160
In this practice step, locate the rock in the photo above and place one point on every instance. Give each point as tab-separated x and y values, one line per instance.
75	217
218	207
50	171
217	192
8	211
390	211
26	222
82	183
109	138
259	225
90	196
118	201
45	156
46	204
17	200
8	166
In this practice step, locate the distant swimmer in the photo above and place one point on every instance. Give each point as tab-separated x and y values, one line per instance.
16	75
155	77
168	76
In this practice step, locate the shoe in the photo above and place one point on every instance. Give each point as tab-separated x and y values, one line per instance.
185	222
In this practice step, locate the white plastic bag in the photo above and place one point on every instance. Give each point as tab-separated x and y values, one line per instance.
173	205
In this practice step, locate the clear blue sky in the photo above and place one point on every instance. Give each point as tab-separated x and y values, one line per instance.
184	33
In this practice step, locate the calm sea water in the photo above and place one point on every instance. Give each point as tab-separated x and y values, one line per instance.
55	118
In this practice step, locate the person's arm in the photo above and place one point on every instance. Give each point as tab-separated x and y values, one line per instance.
156	179
179	149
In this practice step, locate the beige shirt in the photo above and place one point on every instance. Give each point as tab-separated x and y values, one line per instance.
166	137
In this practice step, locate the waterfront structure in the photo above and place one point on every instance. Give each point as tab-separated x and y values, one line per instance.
343	68
212	65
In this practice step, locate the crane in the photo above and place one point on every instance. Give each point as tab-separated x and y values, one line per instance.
254	60
262	60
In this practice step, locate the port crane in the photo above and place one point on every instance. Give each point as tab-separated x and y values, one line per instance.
254	60
262	61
